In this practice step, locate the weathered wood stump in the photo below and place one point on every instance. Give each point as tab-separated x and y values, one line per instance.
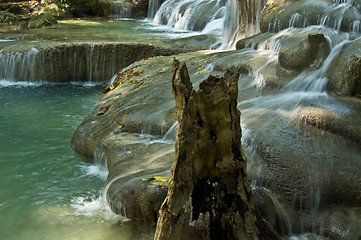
209	195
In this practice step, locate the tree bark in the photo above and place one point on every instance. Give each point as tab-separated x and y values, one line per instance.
209	195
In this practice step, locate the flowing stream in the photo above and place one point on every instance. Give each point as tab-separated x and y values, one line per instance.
49	192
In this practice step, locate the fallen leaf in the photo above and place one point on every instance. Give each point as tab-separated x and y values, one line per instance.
48	144
121	123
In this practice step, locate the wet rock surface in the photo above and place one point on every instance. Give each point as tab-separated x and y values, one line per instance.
288	160
297	54
278	16
345	75
299	99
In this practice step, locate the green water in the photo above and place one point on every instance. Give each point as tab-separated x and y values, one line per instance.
99	31
47	191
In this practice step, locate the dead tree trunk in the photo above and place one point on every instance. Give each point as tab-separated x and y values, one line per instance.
209	194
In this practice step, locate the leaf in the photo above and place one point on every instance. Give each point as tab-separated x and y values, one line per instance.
155	179
280	51
162	179
106	89
202	71
48	144
121	123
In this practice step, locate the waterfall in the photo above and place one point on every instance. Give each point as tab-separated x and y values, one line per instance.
191	15
341	15
231	22
315	81
170	135
225	18
18	65
62	63
153	7
120	9
123	12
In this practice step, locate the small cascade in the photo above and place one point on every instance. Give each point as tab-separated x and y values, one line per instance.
341	15
84	62
120	10
193	15
220	17
123	12
19	65
250	17
101	163
276	113
241	21
306	87
231	23
315	81
153	7
170	135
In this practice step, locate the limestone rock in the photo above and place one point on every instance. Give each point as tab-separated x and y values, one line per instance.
137	199
56	10
297	53
253	41
345	72
41	21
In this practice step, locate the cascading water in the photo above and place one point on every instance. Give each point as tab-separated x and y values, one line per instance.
88	62
231	23
271	137
18	65
221	17
153	8
120	9
339	15
191	15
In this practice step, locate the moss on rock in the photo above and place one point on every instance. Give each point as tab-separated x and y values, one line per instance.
41	20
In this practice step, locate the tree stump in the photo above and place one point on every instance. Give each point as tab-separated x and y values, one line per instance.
209	195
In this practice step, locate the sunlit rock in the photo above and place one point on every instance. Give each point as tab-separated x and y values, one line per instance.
41	20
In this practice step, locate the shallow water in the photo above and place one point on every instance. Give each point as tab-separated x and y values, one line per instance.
47	191
92	31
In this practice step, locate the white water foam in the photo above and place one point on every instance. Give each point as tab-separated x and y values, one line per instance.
9	83
94	207
87	84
